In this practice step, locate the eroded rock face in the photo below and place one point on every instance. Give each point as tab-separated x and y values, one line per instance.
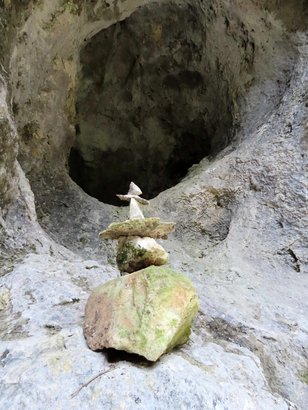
240	236
159	91
230	50
148	313
148	82
8	150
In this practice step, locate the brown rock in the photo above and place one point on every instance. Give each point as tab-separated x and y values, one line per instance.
148	312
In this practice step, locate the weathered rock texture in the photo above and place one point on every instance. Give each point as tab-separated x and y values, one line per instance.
160	90
147	227
148	312
241	230
8	149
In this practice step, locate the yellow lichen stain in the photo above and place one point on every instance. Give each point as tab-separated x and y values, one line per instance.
60	363
68	66
56	357
157	30
97	393
55	342
34	132
4	300
7	4
178	298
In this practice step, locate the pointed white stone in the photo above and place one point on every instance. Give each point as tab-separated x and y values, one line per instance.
136	197
134	189
133	194
134	210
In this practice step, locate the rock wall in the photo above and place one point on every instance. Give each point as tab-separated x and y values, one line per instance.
163	89
241	235
235	45
8	144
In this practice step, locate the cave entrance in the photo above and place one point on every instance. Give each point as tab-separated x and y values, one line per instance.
150	103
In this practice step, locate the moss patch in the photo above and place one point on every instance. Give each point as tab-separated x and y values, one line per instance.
148	312
134	254
73	6
304	377
147	227
129	252
5	298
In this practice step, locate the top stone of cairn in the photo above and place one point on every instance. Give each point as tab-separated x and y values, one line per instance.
137	224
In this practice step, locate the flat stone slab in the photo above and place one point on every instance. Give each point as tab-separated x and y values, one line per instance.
147	227
148	312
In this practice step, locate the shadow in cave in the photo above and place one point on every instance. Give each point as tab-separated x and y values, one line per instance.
116	356
150	103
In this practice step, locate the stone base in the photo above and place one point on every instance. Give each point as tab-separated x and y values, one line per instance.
148	313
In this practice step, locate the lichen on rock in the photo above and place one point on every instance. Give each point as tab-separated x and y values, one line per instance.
147	227
148	313
135	253
4	299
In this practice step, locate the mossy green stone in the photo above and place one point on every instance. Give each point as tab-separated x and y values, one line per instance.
135	253
147	227
304	378
148	312
128	252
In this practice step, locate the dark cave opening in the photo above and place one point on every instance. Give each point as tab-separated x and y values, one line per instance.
119	168
150	103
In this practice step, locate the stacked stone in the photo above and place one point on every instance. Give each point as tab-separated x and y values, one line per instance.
151	310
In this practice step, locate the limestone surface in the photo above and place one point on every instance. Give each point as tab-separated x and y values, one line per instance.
147	227
148	313
135	253
141	111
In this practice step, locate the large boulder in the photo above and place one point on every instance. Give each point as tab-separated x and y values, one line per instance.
135	253
148	312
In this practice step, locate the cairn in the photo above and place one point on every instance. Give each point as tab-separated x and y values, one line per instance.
137	247
149	310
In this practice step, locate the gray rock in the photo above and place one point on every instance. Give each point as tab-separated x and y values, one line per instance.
240	213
